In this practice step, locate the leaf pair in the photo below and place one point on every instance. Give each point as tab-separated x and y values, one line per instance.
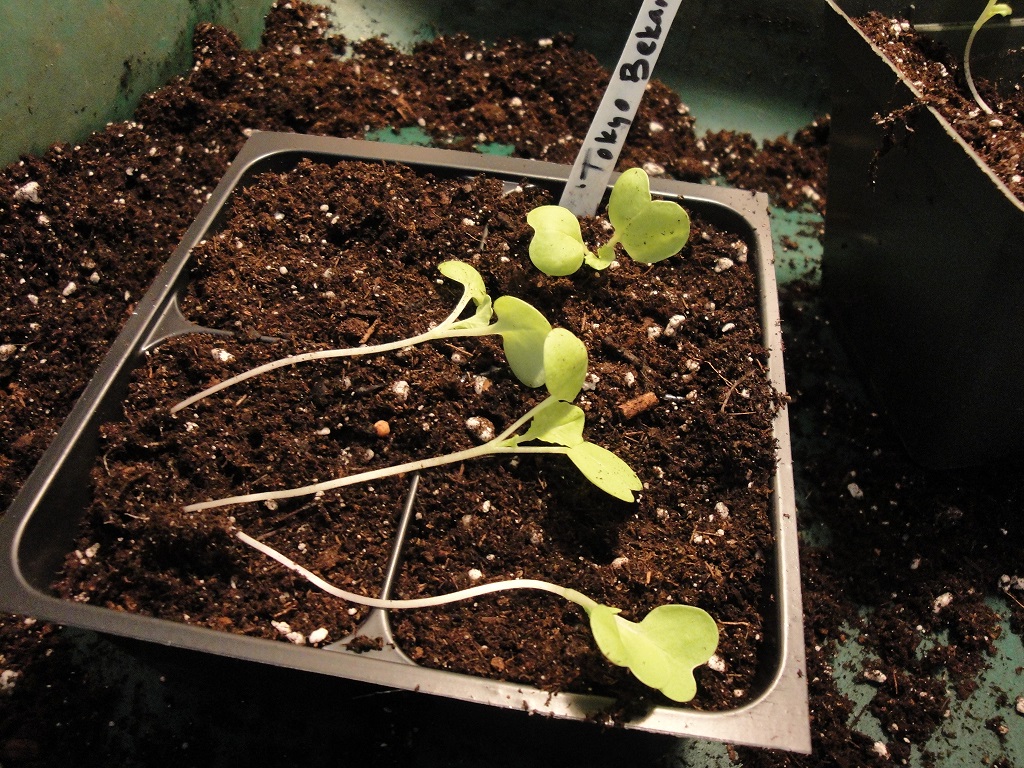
662	650
649	230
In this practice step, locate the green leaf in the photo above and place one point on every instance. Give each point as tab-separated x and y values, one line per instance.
631	193
660	230
605	470
523	330
565	364
557	246
473	285
662	650
649	230
555	422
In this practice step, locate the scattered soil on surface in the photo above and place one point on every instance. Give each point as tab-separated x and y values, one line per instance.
83	231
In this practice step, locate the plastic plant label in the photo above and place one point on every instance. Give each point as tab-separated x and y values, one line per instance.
596	159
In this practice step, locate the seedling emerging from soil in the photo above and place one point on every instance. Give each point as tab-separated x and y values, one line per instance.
991	9
649	230
662	650
522	329
555	423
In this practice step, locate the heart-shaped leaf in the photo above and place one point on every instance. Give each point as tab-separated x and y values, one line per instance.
605	470
557	246
649	230
662	650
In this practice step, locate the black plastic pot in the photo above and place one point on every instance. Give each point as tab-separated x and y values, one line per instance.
923	267
37	531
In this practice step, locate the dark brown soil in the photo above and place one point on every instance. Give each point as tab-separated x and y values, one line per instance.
910	538
364	270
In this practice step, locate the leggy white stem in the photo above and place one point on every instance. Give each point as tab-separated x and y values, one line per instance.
422	602
438	332
967	73
411	466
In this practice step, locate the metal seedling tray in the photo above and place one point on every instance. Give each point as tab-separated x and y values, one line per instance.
38	529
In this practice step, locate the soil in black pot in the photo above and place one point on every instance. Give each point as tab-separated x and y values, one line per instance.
938	74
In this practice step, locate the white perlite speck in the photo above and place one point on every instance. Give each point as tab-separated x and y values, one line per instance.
7	351
400	389
475	574
482	429
282	627
1019	706
317	636
481	384
716	663
672	326
723	264
28	192
942	601
875	676
69	289
7	680
221	355
855	491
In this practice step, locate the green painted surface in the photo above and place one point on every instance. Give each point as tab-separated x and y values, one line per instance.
71	66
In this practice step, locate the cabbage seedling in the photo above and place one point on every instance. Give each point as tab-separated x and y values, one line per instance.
649	230
662	650
990	10
522	329
554	425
